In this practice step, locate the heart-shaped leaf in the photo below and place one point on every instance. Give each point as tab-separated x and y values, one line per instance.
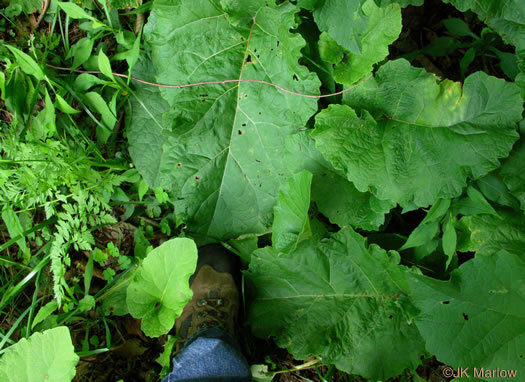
46	356
160	288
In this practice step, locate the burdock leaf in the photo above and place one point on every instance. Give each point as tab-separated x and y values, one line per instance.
218	147
480	309
160	289
415	140
45	356
337	299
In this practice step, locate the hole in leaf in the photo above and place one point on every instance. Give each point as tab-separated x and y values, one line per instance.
465	316
295	78
390	317
197	178
244	124
445	302
239	132
179	164
278	42
248	59
157	305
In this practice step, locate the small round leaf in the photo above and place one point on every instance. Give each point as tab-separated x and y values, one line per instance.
160	289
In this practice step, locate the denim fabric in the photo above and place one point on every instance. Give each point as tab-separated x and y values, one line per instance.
210	355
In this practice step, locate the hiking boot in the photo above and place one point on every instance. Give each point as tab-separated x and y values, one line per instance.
215	301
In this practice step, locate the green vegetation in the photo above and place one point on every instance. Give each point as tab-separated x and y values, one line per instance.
375	193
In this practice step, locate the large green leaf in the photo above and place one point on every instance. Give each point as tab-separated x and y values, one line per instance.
160	288
334	195
477	318
337	299
46	356
486	234
218	147
417	140
382	28
291	223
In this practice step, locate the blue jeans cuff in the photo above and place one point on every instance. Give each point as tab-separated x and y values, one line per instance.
210	355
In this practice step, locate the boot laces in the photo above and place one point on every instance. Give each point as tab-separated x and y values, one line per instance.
210	310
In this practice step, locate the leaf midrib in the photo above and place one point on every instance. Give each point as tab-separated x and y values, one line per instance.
228	155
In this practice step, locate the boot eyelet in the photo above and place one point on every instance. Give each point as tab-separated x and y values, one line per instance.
202	302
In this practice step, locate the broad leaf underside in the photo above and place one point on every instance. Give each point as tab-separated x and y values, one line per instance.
219	147
336	299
